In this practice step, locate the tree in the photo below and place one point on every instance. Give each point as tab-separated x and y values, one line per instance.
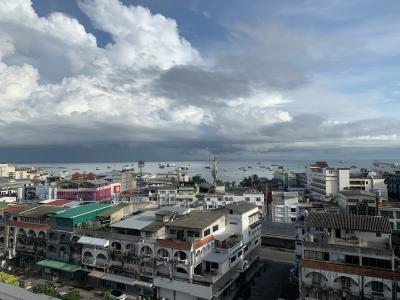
71	296
48	288
198	179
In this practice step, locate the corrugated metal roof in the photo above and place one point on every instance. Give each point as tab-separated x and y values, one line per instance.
81	210
136	222
58	265
350	222
88	240
198	219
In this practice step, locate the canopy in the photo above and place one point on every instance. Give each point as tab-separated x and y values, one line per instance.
58	265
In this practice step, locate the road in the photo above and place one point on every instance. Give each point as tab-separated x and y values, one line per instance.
273	281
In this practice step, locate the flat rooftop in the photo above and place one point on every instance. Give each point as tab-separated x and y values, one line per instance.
138	222
198	219
40	211
240	207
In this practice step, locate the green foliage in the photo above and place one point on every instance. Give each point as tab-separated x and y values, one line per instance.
48	288
9	279
198	179
253	181
71	296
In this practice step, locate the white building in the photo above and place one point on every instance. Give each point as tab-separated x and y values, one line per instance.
357	202
346	256
391	210
284	207
166	196
213	201
287	176
7	170
386	167
128	182
205	252
325	182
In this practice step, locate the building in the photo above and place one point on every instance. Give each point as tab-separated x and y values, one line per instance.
325	182
386	167
346	256
128	182
301	179
166	195
7	170
358	202
205	252
393	185
285	207
391	210
98	190
286	176
213	201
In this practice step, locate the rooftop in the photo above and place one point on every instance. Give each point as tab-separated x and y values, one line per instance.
59	202
81	210
198	219
114	209
39	211
138	222
350	222
241	207
357	192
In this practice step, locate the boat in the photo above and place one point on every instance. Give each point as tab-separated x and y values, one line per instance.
161	166
170	165
353	167
249	167
207	167
108	167
97	168
342	161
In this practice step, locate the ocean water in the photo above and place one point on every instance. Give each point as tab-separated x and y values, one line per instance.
228	170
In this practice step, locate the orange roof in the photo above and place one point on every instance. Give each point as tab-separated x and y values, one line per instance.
59	202
28	225
14	209
356	270
184	245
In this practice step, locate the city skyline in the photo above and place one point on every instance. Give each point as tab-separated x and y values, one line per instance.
96	80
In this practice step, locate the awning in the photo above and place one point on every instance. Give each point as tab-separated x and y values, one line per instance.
96	274
119	279
58	265
144	284
88	240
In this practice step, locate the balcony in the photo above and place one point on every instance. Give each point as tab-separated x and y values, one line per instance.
88	260
207	277
230	244
102	263
181	261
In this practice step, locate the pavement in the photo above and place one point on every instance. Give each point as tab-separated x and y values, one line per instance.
272	281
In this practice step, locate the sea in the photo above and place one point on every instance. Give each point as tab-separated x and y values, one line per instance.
227	170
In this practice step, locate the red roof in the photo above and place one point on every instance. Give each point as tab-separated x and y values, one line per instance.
59	202
28	225
14	209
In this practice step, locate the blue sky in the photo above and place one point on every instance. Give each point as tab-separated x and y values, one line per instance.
189	78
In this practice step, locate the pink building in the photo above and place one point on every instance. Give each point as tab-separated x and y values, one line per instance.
82	190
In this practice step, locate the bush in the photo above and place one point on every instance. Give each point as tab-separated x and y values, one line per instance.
71	296
9	279
48	288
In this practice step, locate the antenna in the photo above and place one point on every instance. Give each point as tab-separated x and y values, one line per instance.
215	170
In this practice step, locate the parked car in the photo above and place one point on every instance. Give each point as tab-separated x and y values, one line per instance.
117	294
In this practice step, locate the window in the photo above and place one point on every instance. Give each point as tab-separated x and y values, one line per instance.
378	234
377	287
388	214
215	228
258	199
233	258
316	255
240	253
172	231
247	198
214	265
206	232
293	209
193	234
352	259
377	263
397	214
233	223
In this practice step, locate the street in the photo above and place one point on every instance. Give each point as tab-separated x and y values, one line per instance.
272	282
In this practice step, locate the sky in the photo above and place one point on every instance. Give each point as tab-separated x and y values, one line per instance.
109	80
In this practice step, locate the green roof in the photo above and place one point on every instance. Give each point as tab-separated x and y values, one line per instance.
81	210
4	204
58	265
114	209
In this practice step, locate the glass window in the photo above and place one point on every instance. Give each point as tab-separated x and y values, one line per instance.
377	286
215	228
388	214
206	232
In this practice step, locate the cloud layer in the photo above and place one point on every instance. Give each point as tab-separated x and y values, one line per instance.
149	86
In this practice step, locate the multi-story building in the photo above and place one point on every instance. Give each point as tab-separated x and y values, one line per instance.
346	256
286	176
358	202
285	207
301	179
205	252
128	182
166	195
7	170
386	167
391	210
393	185
213	201
93	190
325	182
